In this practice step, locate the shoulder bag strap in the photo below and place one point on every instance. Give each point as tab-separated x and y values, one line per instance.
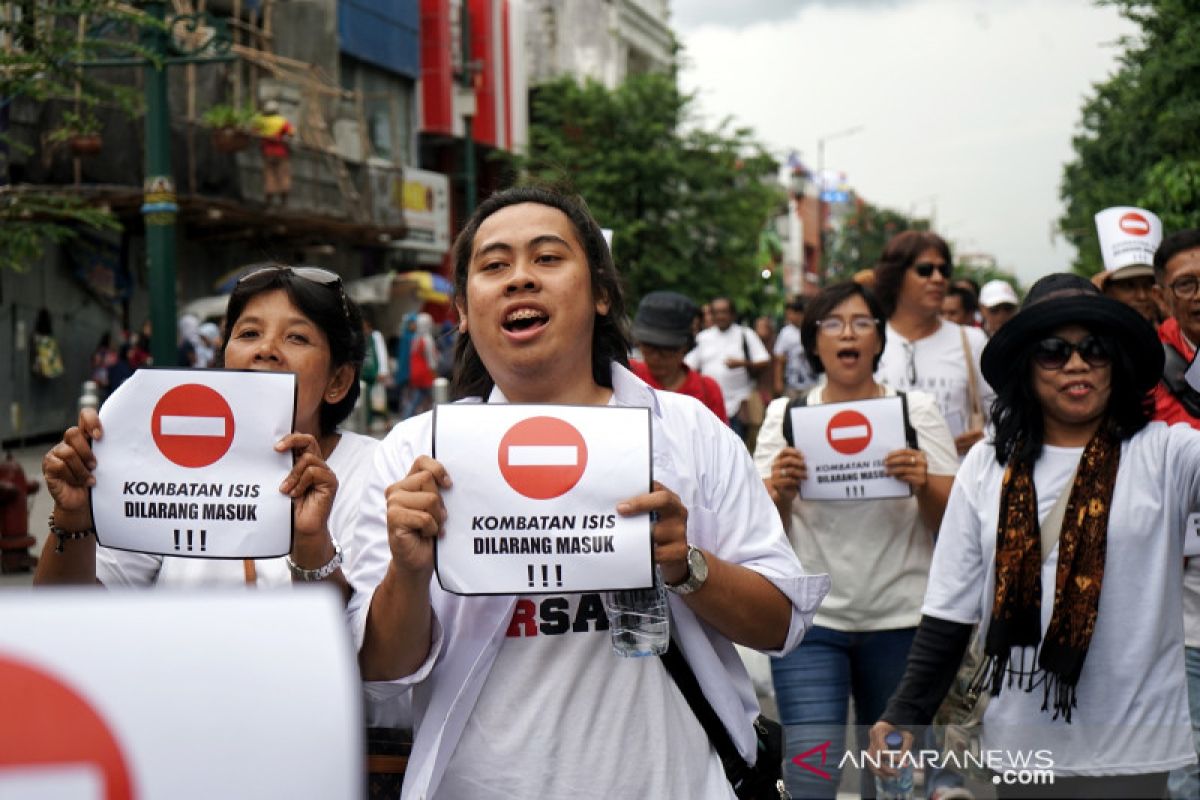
972	381
1051	526
736	768
1174	368
799	402
910	433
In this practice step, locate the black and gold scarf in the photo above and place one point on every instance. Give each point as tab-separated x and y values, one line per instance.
1016	606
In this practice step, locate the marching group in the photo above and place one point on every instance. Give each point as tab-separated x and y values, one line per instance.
1045	526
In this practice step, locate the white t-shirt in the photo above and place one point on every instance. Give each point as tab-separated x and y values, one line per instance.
556	682
713	346
940	370
876	551
1132	713
797	372
350	462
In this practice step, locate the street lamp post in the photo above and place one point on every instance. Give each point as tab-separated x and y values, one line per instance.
822	264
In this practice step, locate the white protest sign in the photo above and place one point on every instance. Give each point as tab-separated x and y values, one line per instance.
1127	236
844	445
187	465
187	695
533	505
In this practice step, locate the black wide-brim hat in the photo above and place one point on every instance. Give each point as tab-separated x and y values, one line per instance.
1064	299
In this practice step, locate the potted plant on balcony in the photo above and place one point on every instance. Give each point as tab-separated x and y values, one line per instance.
80	131
231	127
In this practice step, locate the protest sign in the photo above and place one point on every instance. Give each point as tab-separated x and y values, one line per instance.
533	505
187	465
186	695
844	445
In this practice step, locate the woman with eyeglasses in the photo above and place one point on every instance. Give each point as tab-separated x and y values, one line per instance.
924	351
1064	539
876	551
279	319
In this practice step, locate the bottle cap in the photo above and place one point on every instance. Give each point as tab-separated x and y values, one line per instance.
894	740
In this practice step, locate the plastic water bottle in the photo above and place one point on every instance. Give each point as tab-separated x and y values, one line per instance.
639	620
899	787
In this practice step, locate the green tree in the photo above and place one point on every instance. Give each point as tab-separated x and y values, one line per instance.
39	64
686	205
858	241
1137	142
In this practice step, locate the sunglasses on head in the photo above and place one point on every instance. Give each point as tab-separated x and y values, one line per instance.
926	268
1054	352
312	274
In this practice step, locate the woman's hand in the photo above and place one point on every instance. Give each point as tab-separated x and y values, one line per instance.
312	486
416	516
668	529
877	746
908	465
788	468
67	469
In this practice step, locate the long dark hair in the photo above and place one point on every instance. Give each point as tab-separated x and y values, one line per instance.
1017	413
610	333
328	307
825	302
901	252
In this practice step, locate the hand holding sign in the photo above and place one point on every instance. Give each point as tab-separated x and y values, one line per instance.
311	484
788	468
68	472
416	515
668	531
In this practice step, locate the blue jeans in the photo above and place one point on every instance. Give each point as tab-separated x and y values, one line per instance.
813	686
1184	783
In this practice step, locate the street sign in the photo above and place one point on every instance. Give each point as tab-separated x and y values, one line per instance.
542	457
848	432
192	425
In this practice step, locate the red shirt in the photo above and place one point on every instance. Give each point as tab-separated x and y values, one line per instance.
1166	407
701	387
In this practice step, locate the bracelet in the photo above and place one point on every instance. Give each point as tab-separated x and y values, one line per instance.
63	535
320	573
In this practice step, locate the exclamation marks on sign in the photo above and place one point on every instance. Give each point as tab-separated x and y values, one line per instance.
558	573
545	576
530	574
203	541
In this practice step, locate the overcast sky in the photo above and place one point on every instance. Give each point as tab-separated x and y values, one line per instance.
967	107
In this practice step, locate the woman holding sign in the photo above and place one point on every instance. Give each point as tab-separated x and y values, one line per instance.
1064	540
523	696
876	550
279	319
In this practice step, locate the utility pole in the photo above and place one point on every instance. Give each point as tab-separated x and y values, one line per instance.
823	266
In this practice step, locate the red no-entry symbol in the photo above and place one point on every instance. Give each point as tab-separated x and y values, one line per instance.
192	425
848	432
542	457
48	727
1134	224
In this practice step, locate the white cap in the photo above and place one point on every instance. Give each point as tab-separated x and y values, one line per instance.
1128	238
997	293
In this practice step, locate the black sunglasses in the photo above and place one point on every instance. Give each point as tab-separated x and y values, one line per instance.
1054	353
313	274
926	268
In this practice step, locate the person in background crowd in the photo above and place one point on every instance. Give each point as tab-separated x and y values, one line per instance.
375	372
997	303
971	285
280	319
208	342
732	355
139	351
793	371
275	132
1082	645
1177	273
706	317
662	332
1128	274
120	371
422	360
877	552
923	351
503	708
408	328
960	306
189	339
103	357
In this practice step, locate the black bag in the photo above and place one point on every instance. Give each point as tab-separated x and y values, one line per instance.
1174	368
764	780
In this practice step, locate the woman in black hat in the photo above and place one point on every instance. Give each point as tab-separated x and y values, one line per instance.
1082	635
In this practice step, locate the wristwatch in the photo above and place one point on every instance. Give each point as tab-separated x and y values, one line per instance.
697	572
320	573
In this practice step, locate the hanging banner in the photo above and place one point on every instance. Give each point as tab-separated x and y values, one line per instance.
187	464
844	445
533	505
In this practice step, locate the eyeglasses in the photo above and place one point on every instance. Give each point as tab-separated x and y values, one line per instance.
836	326
313	274
1185	288
1054	353
926	268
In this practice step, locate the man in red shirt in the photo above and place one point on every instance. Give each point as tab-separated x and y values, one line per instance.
662	330
1177	271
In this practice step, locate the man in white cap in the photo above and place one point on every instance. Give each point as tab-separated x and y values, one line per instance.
998	302
1128	238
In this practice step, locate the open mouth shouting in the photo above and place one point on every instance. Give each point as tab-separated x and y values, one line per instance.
524	322
848	356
